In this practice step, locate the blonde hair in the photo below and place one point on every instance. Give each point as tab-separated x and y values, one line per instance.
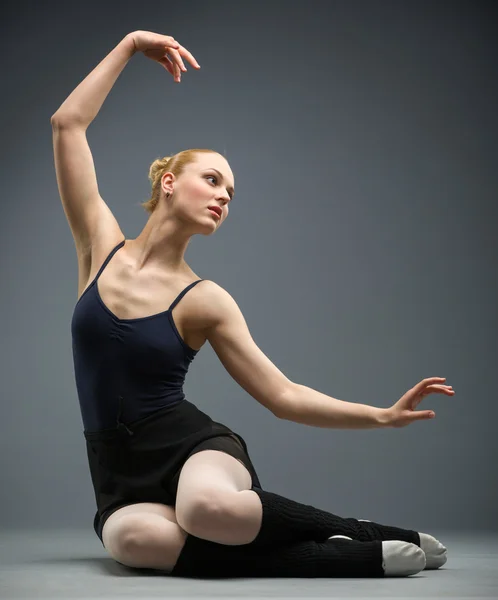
169	164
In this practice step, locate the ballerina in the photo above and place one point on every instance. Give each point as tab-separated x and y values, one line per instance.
174	489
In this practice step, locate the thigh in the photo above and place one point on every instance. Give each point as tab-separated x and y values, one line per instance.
231	445
209	478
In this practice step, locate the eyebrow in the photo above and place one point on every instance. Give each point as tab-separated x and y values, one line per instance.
230	189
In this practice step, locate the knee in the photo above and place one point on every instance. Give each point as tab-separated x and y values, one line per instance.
199	515
129	549
124	540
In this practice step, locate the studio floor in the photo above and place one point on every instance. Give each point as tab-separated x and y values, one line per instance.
73	564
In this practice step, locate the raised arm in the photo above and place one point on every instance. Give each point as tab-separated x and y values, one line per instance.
90	219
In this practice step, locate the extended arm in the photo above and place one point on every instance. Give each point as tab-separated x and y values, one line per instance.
228	334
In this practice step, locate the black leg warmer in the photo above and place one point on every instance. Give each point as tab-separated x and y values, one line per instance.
332	558
286	521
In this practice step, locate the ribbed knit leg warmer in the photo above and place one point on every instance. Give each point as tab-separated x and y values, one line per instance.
332	558
285	520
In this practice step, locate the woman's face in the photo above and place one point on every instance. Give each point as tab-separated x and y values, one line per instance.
208	182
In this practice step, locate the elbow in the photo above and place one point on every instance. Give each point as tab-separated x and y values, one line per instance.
56	119
65	120
284	408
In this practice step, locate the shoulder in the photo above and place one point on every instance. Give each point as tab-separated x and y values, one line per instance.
211	290
211	304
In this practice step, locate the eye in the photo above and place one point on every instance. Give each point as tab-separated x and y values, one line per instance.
216	181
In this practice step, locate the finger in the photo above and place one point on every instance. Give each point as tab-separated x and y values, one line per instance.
423	414
176	70
427	382
171	67
170	42
441	389
176	66
178	59
168	65
188	56
183	52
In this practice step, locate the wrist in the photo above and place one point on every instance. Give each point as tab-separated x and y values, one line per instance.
384	417
129	42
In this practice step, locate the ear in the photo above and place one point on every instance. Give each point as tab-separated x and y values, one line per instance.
167	181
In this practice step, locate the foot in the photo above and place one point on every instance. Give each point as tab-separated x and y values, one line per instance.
399	559
435	552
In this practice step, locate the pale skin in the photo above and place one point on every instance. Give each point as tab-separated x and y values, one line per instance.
214	499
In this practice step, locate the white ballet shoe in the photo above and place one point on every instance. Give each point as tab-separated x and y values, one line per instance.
400	559
435	552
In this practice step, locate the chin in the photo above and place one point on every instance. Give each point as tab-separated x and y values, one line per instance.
207	230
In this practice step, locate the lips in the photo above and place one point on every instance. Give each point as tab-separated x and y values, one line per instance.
215	209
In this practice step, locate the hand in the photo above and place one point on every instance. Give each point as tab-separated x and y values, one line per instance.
403	412
165	50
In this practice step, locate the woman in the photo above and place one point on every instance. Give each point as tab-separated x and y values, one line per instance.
175	490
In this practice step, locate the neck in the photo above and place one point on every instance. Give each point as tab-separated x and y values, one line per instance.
162	244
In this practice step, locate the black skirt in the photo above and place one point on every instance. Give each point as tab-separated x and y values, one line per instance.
141	461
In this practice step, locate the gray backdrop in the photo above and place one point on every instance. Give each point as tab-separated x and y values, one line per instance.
361	244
